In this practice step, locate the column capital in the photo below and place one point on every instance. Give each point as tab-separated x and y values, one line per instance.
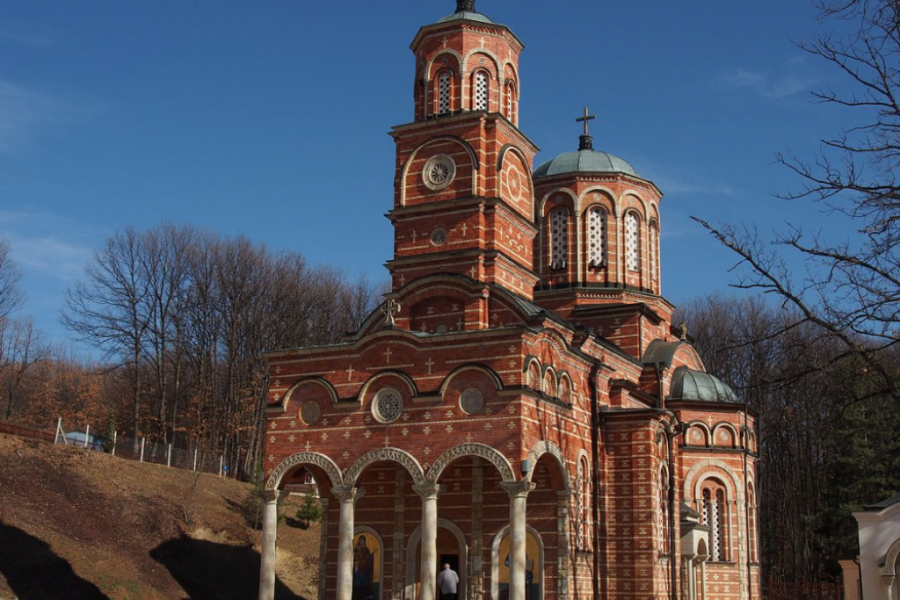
518	489
272	495
348	493
429	491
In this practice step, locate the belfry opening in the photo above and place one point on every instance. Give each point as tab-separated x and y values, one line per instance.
521	410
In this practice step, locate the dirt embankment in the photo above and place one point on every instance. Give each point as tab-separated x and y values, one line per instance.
88	526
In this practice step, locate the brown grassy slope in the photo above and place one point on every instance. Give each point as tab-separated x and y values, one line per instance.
85	525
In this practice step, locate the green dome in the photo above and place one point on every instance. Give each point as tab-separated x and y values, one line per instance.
584	161
466	16
688	384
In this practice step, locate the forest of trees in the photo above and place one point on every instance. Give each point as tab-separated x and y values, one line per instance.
182	319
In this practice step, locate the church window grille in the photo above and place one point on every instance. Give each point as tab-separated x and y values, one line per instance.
509	102
388	405
579	506
663	510
559	240
654	252
751	500
632	242
481	91
444	93
714	515
471	401
597	237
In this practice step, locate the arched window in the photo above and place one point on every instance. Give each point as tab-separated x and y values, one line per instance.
445	88
583	505
654	251
663	509
559	240
480	91
715	517
632	242
510	102
597	218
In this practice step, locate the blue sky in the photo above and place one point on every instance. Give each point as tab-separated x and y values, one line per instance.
271	119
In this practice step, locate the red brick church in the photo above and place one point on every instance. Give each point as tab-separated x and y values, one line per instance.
521	407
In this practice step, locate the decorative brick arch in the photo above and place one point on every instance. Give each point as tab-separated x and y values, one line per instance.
476	165
395	455
410	384
412	545
696	476
498	383
890	560
546	447
311	380
491	455
305	458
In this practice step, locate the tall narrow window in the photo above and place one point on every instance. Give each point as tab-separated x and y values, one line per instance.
510	102
444	93
751	501
481	91
579	506
559	240
714	516
664	510
654	252
597	237
632	242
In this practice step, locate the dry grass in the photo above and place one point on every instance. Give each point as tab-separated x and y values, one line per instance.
100	528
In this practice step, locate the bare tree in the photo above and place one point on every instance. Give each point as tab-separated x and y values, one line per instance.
21	348
10	295
850	291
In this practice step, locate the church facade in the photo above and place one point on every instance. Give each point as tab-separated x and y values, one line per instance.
521	407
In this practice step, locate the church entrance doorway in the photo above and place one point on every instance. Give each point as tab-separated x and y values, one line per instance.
534	566
451	549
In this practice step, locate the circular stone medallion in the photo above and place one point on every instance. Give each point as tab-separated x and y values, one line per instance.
310	413
439	172
471	401
388	405
439	237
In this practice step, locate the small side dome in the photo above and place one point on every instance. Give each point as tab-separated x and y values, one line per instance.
584	161
466	15
688	384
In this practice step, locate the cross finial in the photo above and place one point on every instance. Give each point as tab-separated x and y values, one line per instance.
465	6
586	141
390	310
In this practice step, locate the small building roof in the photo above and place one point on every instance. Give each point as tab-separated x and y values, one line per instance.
466	15
688	384
879	506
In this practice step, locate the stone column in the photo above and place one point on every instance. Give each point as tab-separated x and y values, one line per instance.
562	551
429	493
888	581
348	495
323	547
518	492
268	550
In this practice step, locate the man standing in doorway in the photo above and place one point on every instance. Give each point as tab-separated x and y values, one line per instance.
447	582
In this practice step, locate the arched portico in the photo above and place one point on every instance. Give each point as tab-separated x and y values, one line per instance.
416	538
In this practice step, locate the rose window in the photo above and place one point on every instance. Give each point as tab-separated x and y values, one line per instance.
481	91
310	413
632	243
438	237
444	93
559	241
439	172
471	401
597	237
388	405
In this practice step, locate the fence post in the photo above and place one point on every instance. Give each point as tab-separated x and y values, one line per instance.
115	438
221	462
195	458
169	459
143	440
87	435
58	427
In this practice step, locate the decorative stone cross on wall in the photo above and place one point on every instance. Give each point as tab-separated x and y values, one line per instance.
391	310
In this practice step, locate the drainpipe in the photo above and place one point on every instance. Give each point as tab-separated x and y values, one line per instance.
747	504
595	472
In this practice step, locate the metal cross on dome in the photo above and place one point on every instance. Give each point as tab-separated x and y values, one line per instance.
587	118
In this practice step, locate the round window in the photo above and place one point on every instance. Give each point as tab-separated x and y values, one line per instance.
471	401
439	237
388	405
439	172
310	413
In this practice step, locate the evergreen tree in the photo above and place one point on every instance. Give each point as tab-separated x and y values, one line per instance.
109	436
310	511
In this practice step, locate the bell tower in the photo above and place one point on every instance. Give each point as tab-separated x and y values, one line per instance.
464	199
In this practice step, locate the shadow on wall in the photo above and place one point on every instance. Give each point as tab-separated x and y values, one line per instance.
34	572
211	571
